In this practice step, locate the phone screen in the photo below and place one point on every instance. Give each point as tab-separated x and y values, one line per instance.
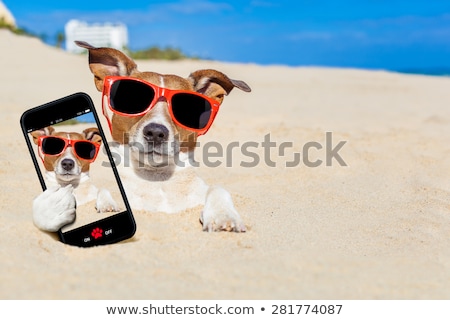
69	147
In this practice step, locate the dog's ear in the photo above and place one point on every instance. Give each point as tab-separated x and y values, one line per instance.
92	134
215	84
47	131
107	62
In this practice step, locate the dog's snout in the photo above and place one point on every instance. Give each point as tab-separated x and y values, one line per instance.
156	133
67	164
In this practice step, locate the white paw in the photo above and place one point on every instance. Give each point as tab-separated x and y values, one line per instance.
219	213
54	208
105	202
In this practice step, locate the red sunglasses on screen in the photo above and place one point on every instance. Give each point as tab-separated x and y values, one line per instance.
55	146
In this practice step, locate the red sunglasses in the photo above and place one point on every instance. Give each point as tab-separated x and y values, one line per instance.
55	146
131	97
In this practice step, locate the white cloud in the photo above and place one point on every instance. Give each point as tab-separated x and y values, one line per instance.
309	35
196	6
264	4
405	21
154	13
396	31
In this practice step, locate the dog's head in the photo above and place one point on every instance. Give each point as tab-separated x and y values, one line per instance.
67	166
154	134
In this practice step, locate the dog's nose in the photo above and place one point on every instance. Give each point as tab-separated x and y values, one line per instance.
156	133
67	164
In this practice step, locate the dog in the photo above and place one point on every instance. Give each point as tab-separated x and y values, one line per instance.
68	181
154	137
160	141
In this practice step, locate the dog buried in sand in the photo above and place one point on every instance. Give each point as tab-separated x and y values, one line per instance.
156	120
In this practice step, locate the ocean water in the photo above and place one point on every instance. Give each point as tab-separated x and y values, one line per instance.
441	72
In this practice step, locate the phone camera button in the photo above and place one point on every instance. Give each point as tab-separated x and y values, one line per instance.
97	233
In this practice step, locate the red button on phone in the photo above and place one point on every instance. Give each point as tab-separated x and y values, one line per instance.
97	233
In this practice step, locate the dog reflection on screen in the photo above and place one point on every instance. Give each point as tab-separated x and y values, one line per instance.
67	157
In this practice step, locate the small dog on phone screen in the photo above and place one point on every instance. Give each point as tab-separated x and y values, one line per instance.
66	157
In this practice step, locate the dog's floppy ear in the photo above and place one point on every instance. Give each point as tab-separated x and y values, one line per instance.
47	131
215	84
92	134
107	62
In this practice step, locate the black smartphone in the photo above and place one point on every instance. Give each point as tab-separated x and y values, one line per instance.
69	150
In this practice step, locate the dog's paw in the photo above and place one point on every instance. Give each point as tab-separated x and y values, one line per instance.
219	213
54	208
105	202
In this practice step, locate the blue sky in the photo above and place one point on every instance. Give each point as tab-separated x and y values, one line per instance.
375	34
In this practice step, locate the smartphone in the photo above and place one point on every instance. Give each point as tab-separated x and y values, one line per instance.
68	146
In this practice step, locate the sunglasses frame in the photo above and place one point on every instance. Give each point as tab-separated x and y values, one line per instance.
67	142
159	92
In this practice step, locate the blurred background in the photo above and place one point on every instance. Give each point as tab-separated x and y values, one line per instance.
397	35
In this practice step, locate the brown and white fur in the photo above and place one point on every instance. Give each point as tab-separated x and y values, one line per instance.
68	182
173	186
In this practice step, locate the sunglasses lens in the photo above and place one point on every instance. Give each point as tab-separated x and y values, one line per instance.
130	97
52	145
191	110
85	150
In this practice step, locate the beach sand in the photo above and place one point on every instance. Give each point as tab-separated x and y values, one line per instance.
376	228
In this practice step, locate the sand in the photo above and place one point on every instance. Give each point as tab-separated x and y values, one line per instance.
377	228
